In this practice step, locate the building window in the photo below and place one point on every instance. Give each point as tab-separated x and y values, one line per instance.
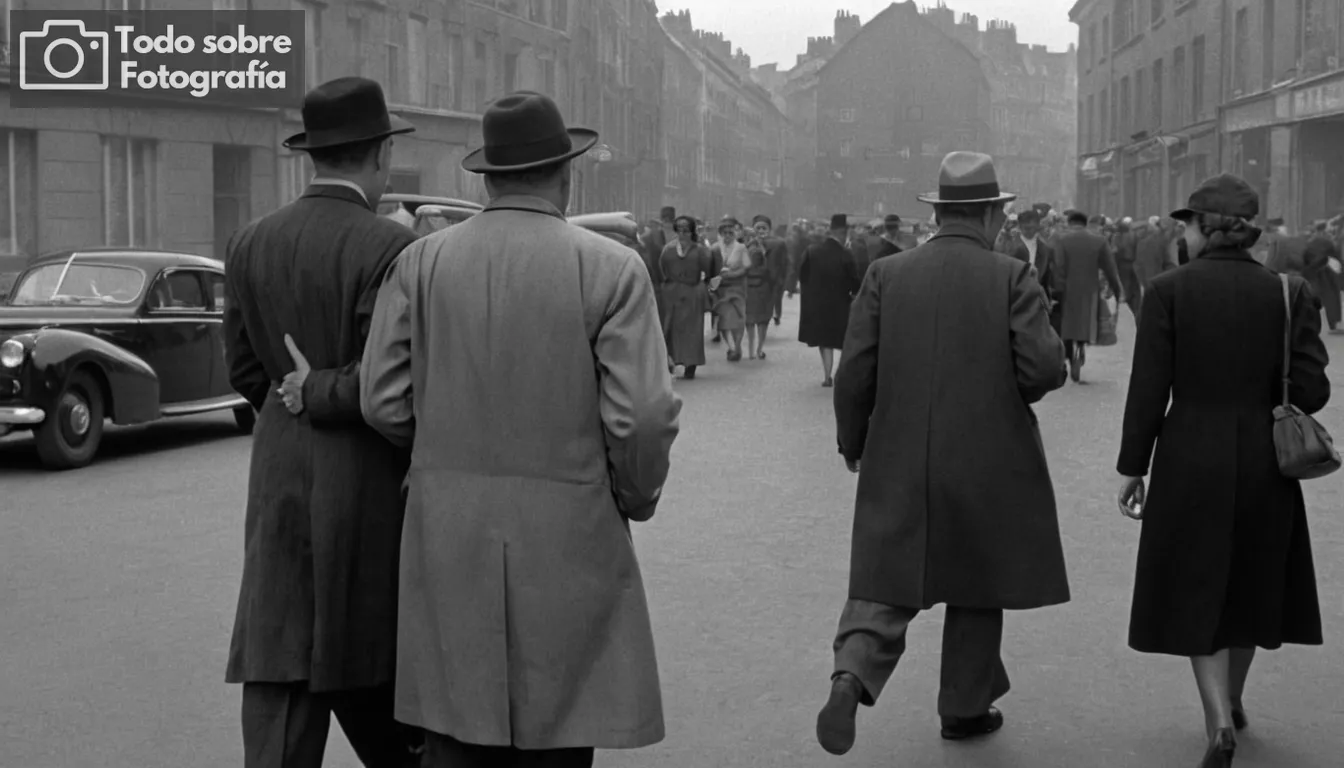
392	76
1241	55
312	43
510	72
18	193
1318	36
1105	36
358	41
1158	113
846	115
1124	25
417	62
1107	130
1178	111
482	75
1091	47
1158	8
560	14
536	11
847	148
1197	78
233	192
1268	72
548	76
914	113
129	192
1093	124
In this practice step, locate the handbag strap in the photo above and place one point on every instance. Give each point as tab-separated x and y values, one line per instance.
1287	334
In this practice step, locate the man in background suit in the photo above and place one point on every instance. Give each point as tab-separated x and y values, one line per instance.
1081	254
1032	249
887	244
315	632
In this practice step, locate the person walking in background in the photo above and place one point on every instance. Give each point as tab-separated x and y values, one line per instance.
1126	252
955	503
829	277
887	244
1224	564
652	250
777	255
797	242
1323	270
1153	255
1081	252
761	284
315	630
524	629
688	277
730	296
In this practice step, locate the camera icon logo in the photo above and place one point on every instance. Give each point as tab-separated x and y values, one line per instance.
39	72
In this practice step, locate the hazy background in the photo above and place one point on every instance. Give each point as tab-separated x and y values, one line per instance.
777	30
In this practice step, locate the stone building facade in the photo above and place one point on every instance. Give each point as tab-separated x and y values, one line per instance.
890	103
1033	107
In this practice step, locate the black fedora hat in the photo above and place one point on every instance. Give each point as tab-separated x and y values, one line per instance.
525	130
344	111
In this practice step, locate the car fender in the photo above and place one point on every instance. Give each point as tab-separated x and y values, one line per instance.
131	382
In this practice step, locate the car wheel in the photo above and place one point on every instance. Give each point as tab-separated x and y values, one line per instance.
71	433
246	419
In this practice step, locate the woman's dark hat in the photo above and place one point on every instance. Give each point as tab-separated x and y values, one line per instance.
840	221
345	111
761	217
1224	195
525	130
967	177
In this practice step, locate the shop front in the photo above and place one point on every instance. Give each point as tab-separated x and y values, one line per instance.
1318	111
1098	185
1258	146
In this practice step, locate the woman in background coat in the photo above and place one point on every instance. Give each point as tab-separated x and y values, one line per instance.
1224	563
686	268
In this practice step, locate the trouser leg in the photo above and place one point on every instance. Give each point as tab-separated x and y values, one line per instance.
779	303
374	734
869	642
284	726
443	751
973	676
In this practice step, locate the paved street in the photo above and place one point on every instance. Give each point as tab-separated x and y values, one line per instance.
119	584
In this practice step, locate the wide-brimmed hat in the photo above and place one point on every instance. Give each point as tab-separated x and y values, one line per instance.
1222	195
345	111
967	177
525	130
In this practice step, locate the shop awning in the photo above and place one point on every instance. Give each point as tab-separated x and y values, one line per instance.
1097	166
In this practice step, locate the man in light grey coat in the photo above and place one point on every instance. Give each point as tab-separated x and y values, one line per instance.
522	359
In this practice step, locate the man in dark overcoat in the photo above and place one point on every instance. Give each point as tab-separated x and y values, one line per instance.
777	256
1080	252
315	632
828	276
887	245
948	346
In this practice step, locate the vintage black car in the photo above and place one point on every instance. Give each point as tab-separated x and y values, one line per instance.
124	334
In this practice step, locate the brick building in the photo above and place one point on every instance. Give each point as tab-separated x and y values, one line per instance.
890	103
1033	107
726	120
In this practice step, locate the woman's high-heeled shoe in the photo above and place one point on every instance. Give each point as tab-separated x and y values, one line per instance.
1222	748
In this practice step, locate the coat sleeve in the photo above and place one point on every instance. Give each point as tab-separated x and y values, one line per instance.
247	375
1309	386
331	395
1038	354
386	401
1149	387
640	412
856	377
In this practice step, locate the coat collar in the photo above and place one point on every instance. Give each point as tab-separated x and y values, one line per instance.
529	203
338	192
1229	254
963	231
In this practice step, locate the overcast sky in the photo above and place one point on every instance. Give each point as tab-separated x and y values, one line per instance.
777	30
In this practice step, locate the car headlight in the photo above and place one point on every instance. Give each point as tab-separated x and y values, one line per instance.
12	353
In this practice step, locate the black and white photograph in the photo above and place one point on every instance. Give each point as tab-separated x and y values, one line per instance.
671	383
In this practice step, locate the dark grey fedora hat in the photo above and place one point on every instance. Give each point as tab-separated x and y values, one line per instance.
525	130
345	111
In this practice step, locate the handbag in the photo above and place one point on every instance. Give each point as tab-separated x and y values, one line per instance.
1106	334
1303	447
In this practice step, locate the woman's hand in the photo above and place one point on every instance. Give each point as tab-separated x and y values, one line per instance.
1132	497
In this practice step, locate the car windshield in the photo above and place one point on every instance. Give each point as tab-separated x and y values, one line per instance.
87	284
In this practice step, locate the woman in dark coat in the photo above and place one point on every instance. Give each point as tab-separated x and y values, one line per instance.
1224	563
829	279
761	284
686	269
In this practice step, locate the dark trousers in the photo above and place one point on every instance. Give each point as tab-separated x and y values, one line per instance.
779	302
871	639
1129	281
285	726
446	752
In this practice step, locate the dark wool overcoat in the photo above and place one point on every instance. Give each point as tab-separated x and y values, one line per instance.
1079	255
948	346
1224	556
324	503
829	277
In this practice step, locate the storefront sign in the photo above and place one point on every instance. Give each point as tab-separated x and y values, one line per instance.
1249	116
1096	166
1319	99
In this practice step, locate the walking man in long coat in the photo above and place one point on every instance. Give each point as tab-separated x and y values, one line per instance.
1080	254
524	635
315	632
828	276
948	346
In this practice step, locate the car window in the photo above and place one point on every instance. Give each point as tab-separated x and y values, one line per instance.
74	283
177	290
215	287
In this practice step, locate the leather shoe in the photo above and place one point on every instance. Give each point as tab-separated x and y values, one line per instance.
835	722
958	728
